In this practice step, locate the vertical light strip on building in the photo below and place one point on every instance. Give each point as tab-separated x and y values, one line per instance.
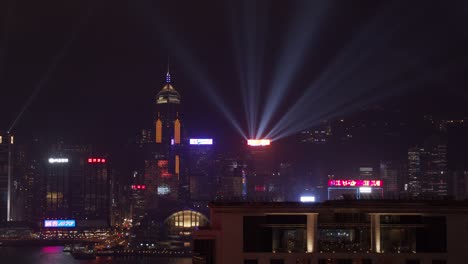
177	164
177	131
311	232
158	131
375	229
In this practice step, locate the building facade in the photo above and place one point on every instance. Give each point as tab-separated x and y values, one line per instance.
335	232
74	184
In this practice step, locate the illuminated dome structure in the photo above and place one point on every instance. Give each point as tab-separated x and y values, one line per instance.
183	223
168	95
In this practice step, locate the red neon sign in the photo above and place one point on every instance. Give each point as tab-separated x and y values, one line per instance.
96	160
138	187
355	183
260	188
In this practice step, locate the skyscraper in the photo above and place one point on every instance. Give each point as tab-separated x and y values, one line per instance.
436	169
163	172
75	184
200	169
6	167
390	172
427	169
415	172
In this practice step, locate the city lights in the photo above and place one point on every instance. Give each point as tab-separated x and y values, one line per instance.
58	160
97	160
201	141
355	183
138	187
258	142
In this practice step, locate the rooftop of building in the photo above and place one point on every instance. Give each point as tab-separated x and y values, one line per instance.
376	206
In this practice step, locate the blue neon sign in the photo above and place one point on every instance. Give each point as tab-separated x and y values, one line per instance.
60	223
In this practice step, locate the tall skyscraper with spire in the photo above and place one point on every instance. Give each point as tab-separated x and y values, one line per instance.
162	166
167	122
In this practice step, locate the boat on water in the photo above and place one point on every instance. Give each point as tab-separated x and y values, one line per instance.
67	248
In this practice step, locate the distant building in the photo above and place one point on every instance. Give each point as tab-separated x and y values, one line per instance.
390	173
366	173
263	180
334	232
427	169
74	184
416	156
200	169
7	143
231	179
459	185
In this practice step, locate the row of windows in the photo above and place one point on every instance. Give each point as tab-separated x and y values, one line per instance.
338	261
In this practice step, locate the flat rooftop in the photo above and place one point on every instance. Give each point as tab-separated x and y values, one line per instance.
423	206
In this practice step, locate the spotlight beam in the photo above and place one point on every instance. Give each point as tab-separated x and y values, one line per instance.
327	81
54	63
296	44
366	97
249	45
196	73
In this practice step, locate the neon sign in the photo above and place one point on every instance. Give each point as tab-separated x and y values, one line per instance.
201	141
258	142
260	188
355	183
58	160
96	160
139	187
60	223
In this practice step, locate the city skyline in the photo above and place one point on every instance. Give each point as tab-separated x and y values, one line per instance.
107	92
234	131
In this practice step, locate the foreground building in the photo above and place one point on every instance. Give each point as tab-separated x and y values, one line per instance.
346	231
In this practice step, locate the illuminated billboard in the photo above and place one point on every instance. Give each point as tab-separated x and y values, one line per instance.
355	183
96	160
58	160
307	199
60	223
258	142
201	141
365	189
163	190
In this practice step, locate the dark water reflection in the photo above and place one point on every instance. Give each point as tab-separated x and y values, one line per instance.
52	255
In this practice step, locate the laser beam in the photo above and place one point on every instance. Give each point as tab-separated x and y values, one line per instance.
53	65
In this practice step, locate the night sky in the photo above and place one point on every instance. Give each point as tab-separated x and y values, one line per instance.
97	65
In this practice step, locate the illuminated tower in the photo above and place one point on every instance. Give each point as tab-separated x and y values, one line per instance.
162	169
167	122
